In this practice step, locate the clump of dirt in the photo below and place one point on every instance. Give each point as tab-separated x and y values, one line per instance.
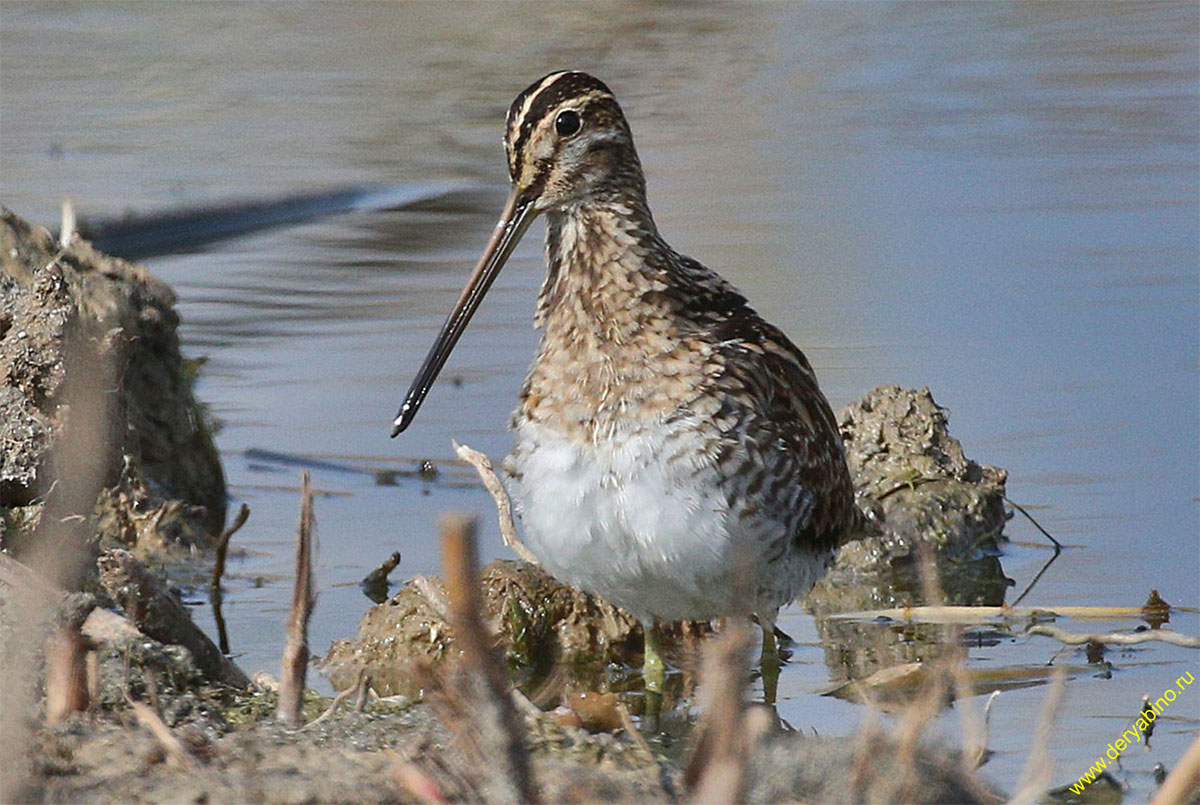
163	487
546	627
925	496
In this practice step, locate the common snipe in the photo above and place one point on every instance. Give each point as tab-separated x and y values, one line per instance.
665	432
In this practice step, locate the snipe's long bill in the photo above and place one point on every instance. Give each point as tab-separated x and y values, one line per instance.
517	216
665	433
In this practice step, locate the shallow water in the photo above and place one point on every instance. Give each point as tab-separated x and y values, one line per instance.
997	201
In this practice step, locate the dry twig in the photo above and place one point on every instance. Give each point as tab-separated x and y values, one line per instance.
295	651
355	690
223	545
364	692
508	529
1118	638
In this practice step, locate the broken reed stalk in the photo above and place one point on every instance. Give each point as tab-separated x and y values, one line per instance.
295	650
1183	781
716	769
508	529
1040	764
67	229
498	731
223	547
66	674
67	680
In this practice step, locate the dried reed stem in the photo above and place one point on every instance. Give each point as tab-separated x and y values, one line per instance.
1183	781
716	771
67	689
223	546
295	650
1040	765
496	731
66	230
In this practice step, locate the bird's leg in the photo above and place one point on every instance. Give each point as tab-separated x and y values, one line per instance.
770	660
654	671
654	674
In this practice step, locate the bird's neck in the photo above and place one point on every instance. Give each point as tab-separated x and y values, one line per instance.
604	260
612	351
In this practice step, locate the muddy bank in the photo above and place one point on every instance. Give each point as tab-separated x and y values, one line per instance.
156	726
86	334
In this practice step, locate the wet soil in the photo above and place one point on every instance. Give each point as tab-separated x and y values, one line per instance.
72	312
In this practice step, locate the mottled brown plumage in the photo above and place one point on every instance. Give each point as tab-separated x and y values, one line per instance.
665	431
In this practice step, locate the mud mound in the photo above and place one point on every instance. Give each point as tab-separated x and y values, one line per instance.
75	307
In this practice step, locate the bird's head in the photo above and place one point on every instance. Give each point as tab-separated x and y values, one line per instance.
567	143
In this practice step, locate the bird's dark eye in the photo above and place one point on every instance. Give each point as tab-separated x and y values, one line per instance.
567	123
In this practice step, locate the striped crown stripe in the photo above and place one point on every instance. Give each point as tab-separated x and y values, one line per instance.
541	97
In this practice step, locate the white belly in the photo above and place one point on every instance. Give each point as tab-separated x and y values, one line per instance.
640	519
